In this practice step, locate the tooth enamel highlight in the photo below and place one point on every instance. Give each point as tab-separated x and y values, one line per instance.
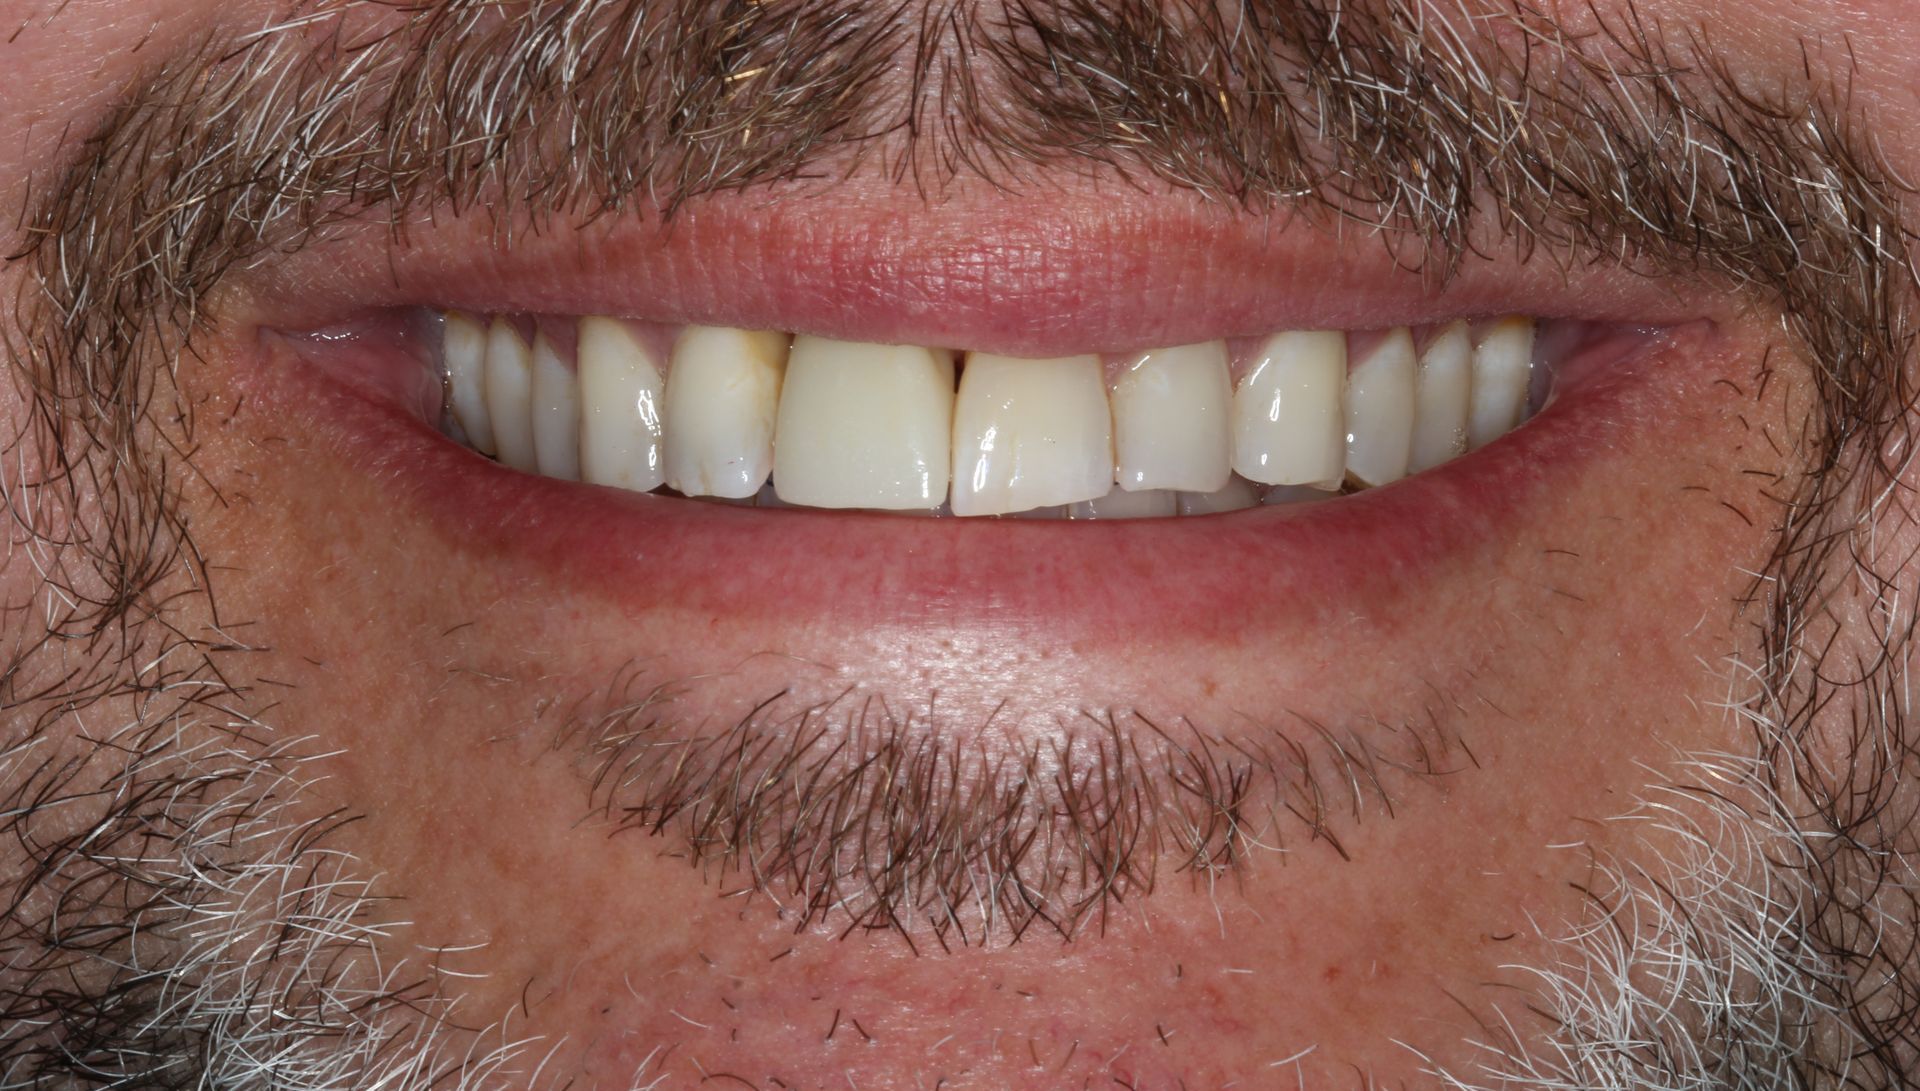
464	350
1445	395
620	396
1120	504
864	426
1237	495
1502	371
1171	411
1289	418
1380	402
723	395
556	413
1030	434
510	396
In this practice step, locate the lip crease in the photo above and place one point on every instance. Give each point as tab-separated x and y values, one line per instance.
1210	578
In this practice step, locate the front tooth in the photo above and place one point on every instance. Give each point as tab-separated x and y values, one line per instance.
1238	494
620	396
1502	372
1121	504
722	397
1030	434
556	413
1170	415
1380	400
864	426
1446	392
464	346
1290	423
510	396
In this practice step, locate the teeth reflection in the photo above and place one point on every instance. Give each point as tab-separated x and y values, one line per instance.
1237	495
723	396
510	396
864	426
1171	410
556	413
1380	400
1290	423
620	395
1445	396
464	350
1030	434
1502	371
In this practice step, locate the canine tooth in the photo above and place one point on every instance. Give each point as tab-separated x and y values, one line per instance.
1121	504
1380	400
510	396
620	397
1289	422
723	394
1502	371
1030	434
1170	414
464	349
556	413
864	426
1445	395
1237	495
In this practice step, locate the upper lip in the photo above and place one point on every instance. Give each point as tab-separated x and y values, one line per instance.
1080	271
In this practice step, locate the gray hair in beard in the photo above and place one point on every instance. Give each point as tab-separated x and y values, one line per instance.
169	926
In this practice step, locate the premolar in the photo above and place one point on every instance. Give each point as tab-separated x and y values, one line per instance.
510	396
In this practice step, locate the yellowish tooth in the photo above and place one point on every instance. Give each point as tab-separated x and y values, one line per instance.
1289	414
556	413
1381	391
864	426
1172	412
1446	394
620	395
1502	372
510	396
464	346
1121	504
1236	495
723	395
1030	434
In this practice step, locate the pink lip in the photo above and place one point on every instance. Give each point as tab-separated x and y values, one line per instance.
1224	577
1078	272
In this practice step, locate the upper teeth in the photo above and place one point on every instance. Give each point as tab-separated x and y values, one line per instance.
832	424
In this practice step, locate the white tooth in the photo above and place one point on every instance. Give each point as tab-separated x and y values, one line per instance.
510	396
864	426
1238	494
1380	400
1502	371
1030	434
556	413
723	394
1170	420
1120	504
464	347
620	396
1290	423
1446	392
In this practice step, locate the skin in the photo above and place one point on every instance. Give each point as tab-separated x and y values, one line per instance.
1568	652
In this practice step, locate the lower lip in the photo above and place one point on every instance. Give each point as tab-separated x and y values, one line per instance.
1217	577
